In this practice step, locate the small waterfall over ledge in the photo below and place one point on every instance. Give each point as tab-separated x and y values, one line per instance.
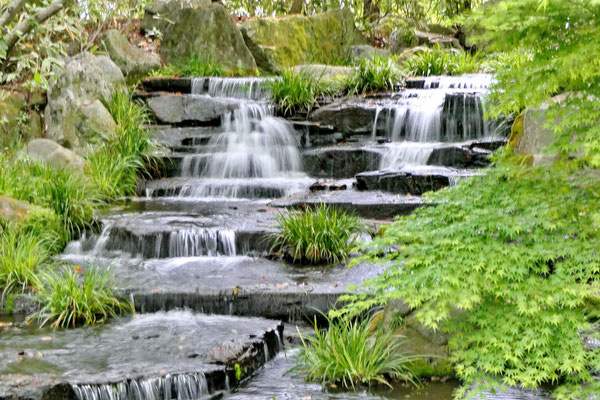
254	144
168	387
433	111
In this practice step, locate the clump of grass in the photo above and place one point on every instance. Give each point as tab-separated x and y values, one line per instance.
115	166
374	74
69	300
318	235
20	256
294	91
438	61
196	66
354	352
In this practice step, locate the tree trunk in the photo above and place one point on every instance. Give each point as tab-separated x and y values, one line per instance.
13	8
297	6
25	26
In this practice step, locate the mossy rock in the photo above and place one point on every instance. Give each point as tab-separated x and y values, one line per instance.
134	62
17	120
293	40
516	132
430	359
217	38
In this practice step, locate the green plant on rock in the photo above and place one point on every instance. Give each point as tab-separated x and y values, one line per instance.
506	262
354	352
294	91
374	74
195	66
321	234
69	299
438	61
116	165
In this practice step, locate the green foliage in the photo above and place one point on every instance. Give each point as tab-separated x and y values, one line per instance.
294	91
557	35
373	74
196	66
20	256
507	262
438	61
66	193
351	352
115	166
69	300
47	226
317	235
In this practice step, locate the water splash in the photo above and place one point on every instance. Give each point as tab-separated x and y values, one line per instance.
168	387
399	155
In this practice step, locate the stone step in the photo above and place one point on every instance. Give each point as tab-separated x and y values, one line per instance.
177	85
372	204
175	354
189	110
241	286
340	162
415	181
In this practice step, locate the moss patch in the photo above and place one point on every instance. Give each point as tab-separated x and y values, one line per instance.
293	40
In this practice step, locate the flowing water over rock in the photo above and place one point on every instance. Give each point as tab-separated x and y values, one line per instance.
199	238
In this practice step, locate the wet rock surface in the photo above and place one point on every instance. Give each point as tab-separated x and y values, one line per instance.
188	109
39	387
409	181
340	162
141	348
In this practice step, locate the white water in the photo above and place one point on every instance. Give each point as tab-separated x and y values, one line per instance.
248	88
448	109
168	387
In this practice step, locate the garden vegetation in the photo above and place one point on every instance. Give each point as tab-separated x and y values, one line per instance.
63	203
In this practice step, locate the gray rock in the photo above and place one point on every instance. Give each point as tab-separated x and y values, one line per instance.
173	109
322	71
339	162
359	52
13	210
218	38
405	181
407	37
53	154
347	116
133	61
75	115
159	13
39	387
536	138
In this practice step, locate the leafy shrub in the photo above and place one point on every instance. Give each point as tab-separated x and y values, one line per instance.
438	61
351	352
69	300
294	91
195	66
373	74
508	263
317	235
20	256
47	227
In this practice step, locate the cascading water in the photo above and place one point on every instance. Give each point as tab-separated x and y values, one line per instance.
255	149
443	110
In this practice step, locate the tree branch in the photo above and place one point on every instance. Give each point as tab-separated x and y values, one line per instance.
13	8
25	26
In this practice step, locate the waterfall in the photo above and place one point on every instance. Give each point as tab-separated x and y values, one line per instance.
249	88
202	242
168	387
403	154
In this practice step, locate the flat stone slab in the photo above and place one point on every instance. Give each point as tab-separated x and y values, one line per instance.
248	286
211	189
190	109
340	162
160	84
367	204
181	352
414	181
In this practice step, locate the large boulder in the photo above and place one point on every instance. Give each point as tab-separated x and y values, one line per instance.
159	13
12	210
216	39
53	154
133	61
297	39
406	37
186	109
76	115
